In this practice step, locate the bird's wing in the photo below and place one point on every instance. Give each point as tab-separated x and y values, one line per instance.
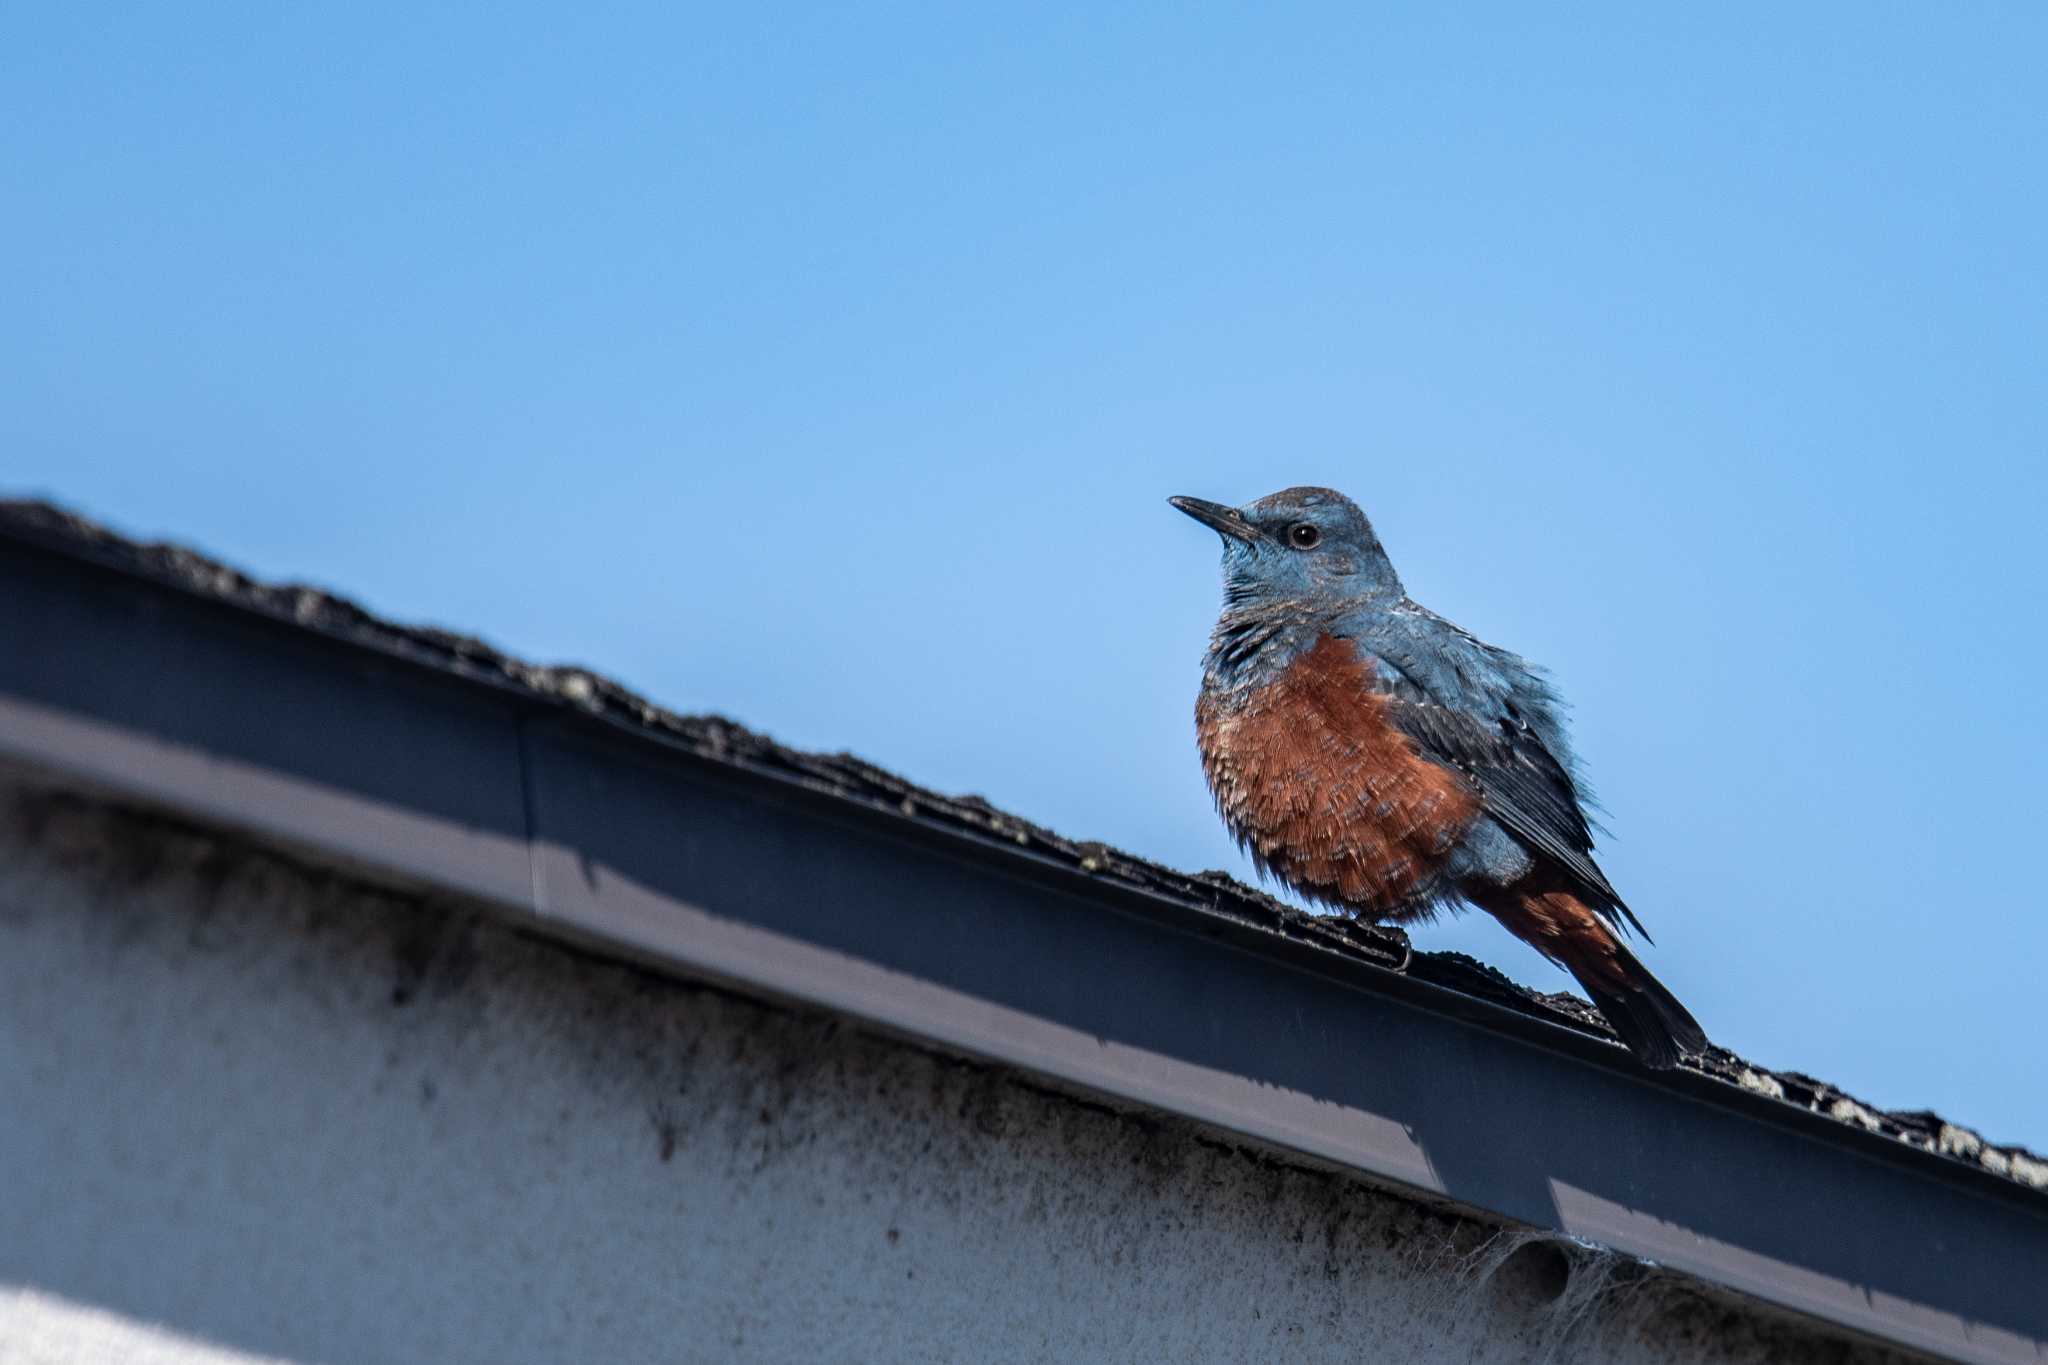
1494	718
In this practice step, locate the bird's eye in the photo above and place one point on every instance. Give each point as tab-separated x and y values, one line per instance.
1304	536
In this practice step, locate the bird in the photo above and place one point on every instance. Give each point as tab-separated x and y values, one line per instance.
1389	765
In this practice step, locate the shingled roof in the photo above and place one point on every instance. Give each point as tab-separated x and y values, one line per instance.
845	777
589	814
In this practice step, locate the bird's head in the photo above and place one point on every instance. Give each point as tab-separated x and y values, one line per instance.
1303	546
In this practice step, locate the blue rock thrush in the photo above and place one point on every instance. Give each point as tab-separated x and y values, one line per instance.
1381	761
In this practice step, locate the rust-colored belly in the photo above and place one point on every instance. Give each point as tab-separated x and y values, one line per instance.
1313	777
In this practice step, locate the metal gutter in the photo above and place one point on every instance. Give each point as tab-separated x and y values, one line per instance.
625	839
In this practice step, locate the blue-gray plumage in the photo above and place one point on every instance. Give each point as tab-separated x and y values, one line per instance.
1382	761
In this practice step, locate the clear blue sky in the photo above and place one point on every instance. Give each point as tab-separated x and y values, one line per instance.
829	369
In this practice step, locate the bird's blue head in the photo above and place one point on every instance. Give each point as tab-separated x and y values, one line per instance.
1300	548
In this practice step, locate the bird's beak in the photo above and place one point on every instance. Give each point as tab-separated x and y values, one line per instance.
1226	521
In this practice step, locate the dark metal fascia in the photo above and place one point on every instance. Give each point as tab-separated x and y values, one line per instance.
629	839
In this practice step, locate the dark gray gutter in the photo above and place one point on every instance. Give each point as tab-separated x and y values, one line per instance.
161	678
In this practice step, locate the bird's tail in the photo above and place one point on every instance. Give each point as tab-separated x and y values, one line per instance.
1641	1009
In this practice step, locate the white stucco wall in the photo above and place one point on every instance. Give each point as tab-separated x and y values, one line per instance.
251	1111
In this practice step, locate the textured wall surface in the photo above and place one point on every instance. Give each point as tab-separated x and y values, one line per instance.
250	1110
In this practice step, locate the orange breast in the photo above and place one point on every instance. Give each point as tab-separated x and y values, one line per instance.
1311	774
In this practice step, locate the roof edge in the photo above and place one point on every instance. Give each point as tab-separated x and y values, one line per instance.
847	778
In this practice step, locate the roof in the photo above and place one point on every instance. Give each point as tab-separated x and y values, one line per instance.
495	824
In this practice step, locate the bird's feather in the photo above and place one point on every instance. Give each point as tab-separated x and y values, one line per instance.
1495	719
